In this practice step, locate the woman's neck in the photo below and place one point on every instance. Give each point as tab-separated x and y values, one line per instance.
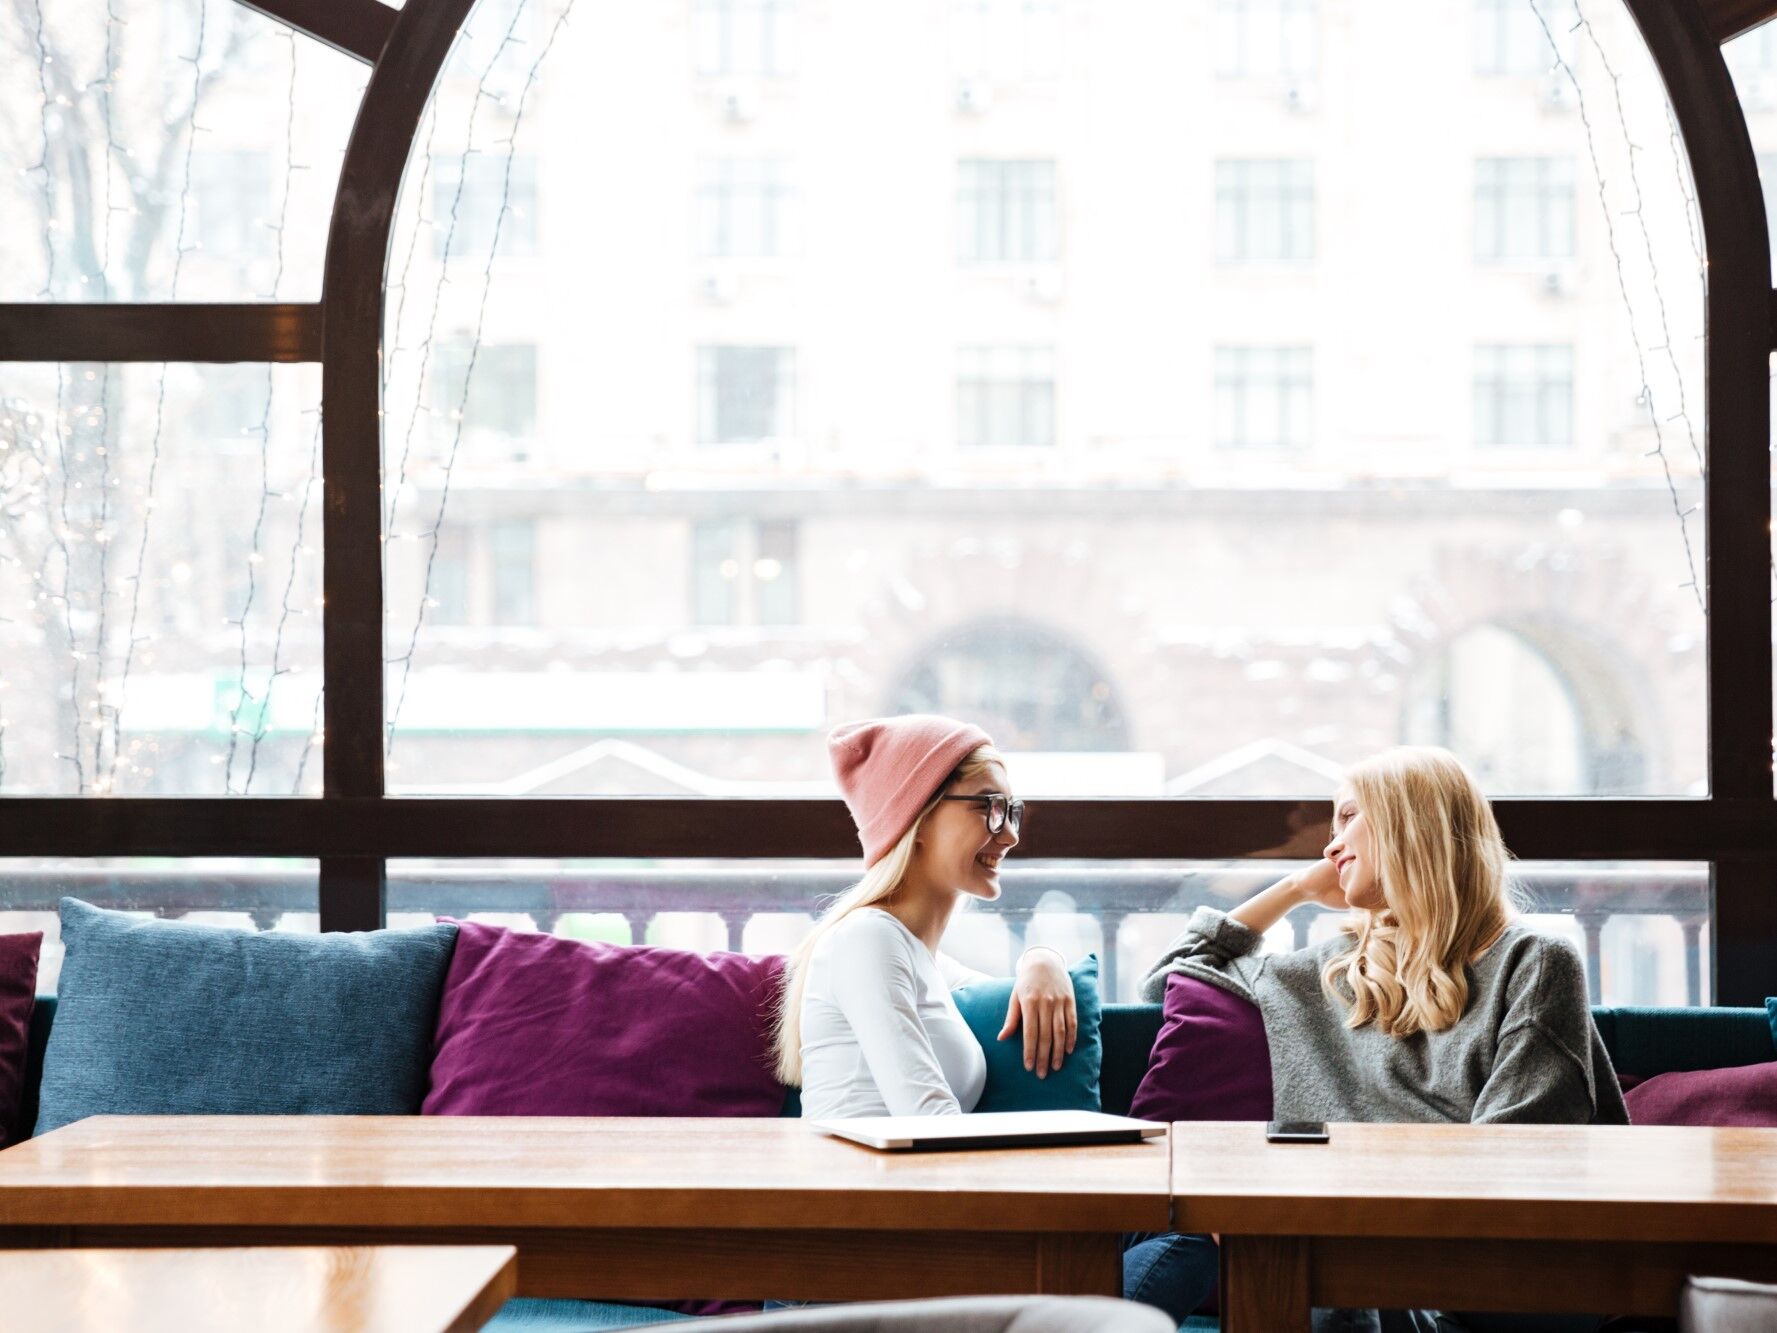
924	909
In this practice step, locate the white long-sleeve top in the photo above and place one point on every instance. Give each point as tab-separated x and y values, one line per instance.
881	1034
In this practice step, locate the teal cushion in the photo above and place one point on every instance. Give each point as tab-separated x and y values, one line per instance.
1010	1086
1771	1017
1649	1041
167	1018
530	1314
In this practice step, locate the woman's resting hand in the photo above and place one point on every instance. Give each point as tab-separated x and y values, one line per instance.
1043	1005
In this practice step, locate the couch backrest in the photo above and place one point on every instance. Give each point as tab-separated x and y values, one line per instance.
1640	1041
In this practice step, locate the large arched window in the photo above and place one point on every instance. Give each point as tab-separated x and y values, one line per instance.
1027	685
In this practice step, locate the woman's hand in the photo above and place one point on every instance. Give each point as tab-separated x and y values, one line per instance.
1043	1004
1320	884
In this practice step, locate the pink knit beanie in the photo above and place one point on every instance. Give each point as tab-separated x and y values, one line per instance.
889	767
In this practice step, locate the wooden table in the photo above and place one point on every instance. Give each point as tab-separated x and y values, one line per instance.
413	1289
619	1209
1537	1218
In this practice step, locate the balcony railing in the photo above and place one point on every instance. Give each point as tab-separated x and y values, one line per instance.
1104	893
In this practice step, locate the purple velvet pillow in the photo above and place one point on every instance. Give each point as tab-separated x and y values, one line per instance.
1211	1060
18	992
534	1025
1739	1095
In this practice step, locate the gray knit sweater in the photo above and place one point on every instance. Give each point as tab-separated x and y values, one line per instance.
1525	1050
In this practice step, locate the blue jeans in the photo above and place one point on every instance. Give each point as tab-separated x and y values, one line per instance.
1169	1270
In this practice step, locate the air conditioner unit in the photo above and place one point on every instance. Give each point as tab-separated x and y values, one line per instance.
737	105
973	97
1558	283
1558	92
718	288
1043	286
1301	98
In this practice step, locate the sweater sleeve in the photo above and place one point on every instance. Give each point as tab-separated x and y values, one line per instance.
1549	1067
876	989
1211	941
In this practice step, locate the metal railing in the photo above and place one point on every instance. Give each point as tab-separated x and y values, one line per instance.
1106	893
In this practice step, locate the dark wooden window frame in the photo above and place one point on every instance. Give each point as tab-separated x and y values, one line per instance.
353	828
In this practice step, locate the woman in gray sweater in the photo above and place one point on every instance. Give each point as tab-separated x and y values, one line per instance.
1434	1003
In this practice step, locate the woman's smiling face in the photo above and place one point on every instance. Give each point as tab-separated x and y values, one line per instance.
1352	852
954	847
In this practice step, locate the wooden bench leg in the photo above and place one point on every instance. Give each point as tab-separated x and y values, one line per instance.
1265	1284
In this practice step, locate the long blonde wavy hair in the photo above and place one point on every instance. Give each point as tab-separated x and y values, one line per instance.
879	884
1442	866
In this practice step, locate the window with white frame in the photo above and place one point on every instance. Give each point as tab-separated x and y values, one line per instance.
1005	396
1265	38
1265	211
743	208
745	37
232	204
477	196
494	386
744	572
745	394
1005	211
1264	397
1522	37
1524	396
512	552
1523	208
1016	41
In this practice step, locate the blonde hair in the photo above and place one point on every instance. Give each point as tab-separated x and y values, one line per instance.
1441	864
879	884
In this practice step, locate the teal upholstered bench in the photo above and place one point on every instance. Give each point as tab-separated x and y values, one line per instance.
1641	1041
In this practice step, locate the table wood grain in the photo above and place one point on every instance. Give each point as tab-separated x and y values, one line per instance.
618	1208
305	1290
1535	1218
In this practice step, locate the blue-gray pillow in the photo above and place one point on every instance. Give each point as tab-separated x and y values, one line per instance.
1771	1015
1012	1087
168	1018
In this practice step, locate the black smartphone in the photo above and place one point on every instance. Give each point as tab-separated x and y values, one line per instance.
1296	1131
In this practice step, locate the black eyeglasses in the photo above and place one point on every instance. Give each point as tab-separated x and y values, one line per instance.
1002	810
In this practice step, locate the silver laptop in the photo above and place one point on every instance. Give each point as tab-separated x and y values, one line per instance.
991	1129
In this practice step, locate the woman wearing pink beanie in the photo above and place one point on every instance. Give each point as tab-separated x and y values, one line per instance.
868	1024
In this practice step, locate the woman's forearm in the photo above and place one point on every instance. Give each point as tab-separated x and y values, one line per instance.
1265	909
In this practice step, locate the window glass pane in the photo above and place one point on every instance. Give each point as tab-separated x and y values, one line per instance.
160	579
110	192
1468	444
260	894
1642	928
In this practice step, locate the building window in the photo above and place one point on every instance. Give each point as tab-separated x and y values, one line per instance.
744	573
1264	397
1521	37
448	584
1265	38
1265	211
1027	685
745	395
1011	40
1005	212
469	195
745	37
512	546
1523	208
232	205
502	386
743	208
1524	396
1005	396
